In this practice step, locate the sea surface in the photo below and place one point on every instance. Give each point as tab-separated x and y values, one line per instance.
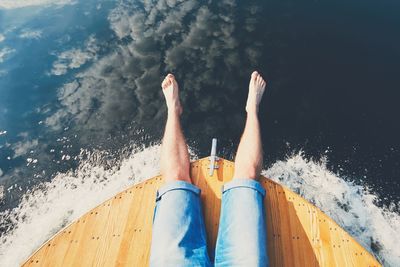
82	113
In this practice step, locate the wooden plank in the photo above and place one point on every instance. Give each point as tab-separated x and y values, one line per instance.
283	231
208	199
124	233
118	232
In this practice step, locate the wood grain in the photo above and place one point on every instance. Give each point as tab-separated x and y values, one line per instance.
118	231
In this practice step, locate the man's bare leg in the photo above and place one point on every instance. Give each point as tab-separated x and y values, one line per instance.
242	236
175	162
249	157
179	233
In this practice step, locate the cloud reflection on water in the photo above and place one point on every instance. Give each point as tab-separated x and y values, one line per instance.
198	42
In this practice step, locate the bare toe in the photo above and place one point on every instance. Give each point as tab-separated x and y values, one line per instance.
171	92
164	83
256	91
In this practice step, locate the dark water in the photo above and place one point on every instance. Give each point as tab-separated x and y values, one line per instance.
332	69
87	76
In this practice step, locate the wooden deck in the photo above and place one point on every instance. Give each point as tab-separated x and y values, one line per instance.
118	232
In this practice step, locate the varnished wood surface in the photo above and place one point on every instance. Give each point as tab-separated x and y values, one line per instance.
118	232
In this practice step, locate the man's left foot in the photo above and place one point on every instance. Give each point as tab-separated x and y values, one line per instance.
171	92
256	91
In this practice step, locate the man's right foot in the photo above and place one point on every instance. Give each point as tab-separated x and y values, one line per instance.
256	91
171	93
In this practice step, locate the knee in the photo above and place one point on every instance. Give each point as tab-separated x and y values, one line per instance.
249	171
176	175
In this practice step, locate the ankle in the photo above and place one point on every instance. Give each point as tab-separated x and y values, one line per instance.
173	113
252	112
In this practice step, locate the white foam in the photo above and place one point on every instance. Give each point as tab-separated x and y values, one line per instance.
45	211
1	192
351	206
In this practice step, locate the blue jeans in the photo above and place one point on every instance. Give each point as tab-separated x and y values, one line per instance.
179	234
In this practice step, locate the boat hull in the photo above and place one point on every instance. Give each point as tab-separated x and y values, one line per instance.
118	231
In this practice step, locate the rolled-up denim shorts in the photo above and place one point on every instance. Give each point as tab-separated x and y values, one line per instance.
179	233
